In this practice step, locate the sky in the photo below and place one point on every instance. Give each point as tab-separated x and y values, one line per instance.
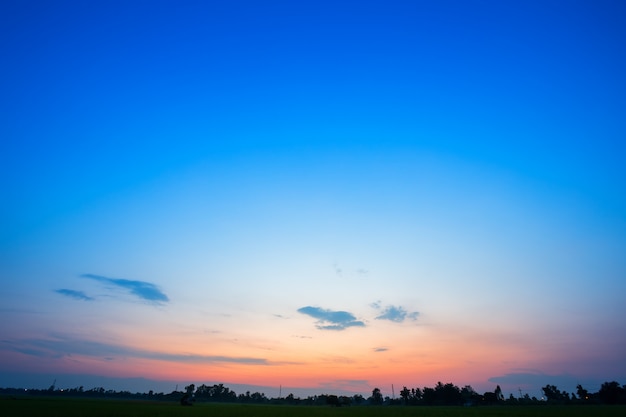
320	196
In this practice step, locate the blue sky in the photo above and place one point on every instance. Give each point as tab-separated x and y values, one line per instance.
323	186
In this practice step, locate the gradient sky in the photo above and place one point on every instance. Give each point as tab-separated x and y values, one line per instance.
327	196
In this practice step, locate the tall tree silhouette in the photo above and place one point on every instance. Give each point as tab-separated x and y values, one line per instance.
377	396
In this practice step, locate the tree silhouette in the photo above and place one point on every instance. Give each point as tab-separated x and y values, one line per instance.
499	395
612	393
469	395
358	399
377	397
405	394
428	396
441	394
187	399
332	400
583	394
555	396
494	397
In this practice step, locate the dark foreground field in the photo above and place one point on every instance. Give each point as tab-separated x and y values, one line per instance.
63	407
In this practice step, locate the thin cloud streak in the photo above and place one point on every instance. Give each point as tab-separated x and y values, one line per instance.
78	295
144	290
330	319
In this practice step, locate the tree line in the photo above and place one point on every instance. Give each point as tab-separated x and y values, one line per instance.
450	394
441	394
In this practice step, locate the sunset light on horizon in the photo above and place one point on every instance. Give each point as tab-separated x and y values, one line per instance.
325	197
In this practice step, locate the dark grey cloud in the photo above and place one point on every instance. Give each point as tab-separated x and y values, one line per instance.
59	346
396	314
144	290
330	319
381	349
349	385
533	378
531	381
78	295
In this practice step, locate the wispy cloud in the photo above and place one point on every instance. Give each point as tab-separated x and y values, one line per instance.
397	314
78	295
330	319
381	349
144	290
349	273
60	346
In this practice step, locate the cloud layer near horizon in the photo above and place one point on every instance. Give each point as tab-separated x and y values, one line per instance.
59	345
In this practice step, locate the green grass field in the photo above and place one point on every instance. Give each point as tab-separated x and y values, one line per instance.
63	407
